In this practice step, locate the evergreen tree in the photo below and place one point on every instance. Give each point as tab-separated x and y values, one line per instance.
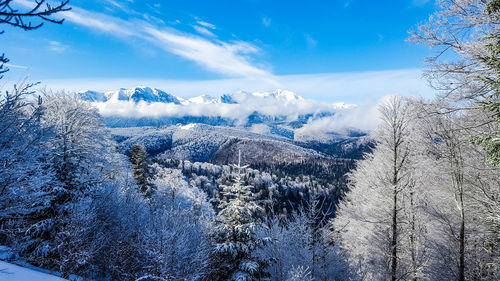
235	233
138	158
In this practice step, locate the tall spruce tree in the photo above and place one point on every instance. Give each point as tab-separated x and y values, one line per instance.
138	158
235	234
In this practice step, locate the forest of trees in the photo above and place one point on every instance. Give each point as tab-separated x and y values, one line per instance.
423	205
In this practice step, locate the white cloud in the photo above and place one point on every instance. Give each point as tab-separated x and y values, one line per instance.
99	22
16	66
218	56
282	104
229	58
57	47
116	4
206	24
203	30
365	117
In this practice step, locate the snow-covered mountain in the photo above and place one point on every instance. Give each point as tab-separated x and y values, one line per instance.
153	95
135	94
281	110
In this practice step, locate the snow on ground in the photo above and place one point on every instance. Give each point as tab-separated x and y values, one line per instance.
11	272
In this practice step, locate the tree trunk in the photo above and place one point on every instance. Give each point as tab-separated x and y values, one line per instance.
394	262
461	267
412	240
394	257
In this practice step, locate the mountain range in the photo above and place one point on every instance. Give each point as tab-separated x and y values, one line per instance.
279	112
153	95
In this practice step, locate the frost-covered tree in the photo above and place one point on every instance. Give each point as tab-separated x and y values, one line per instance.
21	174
175	233
300	273
465	200
466	65
376	220
235	232
79	176
302	243
465	71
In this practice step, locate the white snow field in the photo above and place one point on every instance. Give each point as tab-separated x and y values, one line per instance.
12	272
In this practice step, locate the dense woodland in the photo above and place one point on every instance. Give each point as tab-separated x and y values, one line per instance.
424	204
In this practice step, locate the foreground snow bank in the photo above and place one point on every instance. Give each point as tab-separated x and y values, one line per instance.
11	272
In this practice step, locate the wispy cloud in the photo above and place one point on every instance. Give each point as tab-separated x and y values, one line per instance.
203	30
57	47
98	21
116	4
218	56
206	24
228	58
16	66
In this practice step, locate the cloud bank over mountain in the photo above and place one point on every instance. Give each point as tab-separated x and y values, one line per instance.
279	108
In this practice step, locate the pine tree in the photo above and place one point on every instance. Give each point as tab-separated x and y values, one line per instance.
235	235
138	158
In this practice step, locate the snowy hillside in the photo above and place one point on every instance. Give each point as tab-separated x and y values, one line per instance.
12	272
219	144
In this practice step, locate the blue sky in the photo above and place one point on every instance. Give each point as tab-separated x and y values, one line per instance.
337	50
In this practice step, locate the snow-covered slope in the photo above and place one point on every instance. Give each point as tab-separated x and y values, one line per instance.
12	272
219	144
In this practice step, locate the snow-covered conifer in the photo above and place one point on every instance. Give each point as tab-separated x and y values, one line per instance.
235	232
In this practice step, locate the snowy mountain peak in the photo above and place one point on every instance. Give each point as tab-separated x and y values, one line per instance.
152	95
92	96
203	99
142	93
287	95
